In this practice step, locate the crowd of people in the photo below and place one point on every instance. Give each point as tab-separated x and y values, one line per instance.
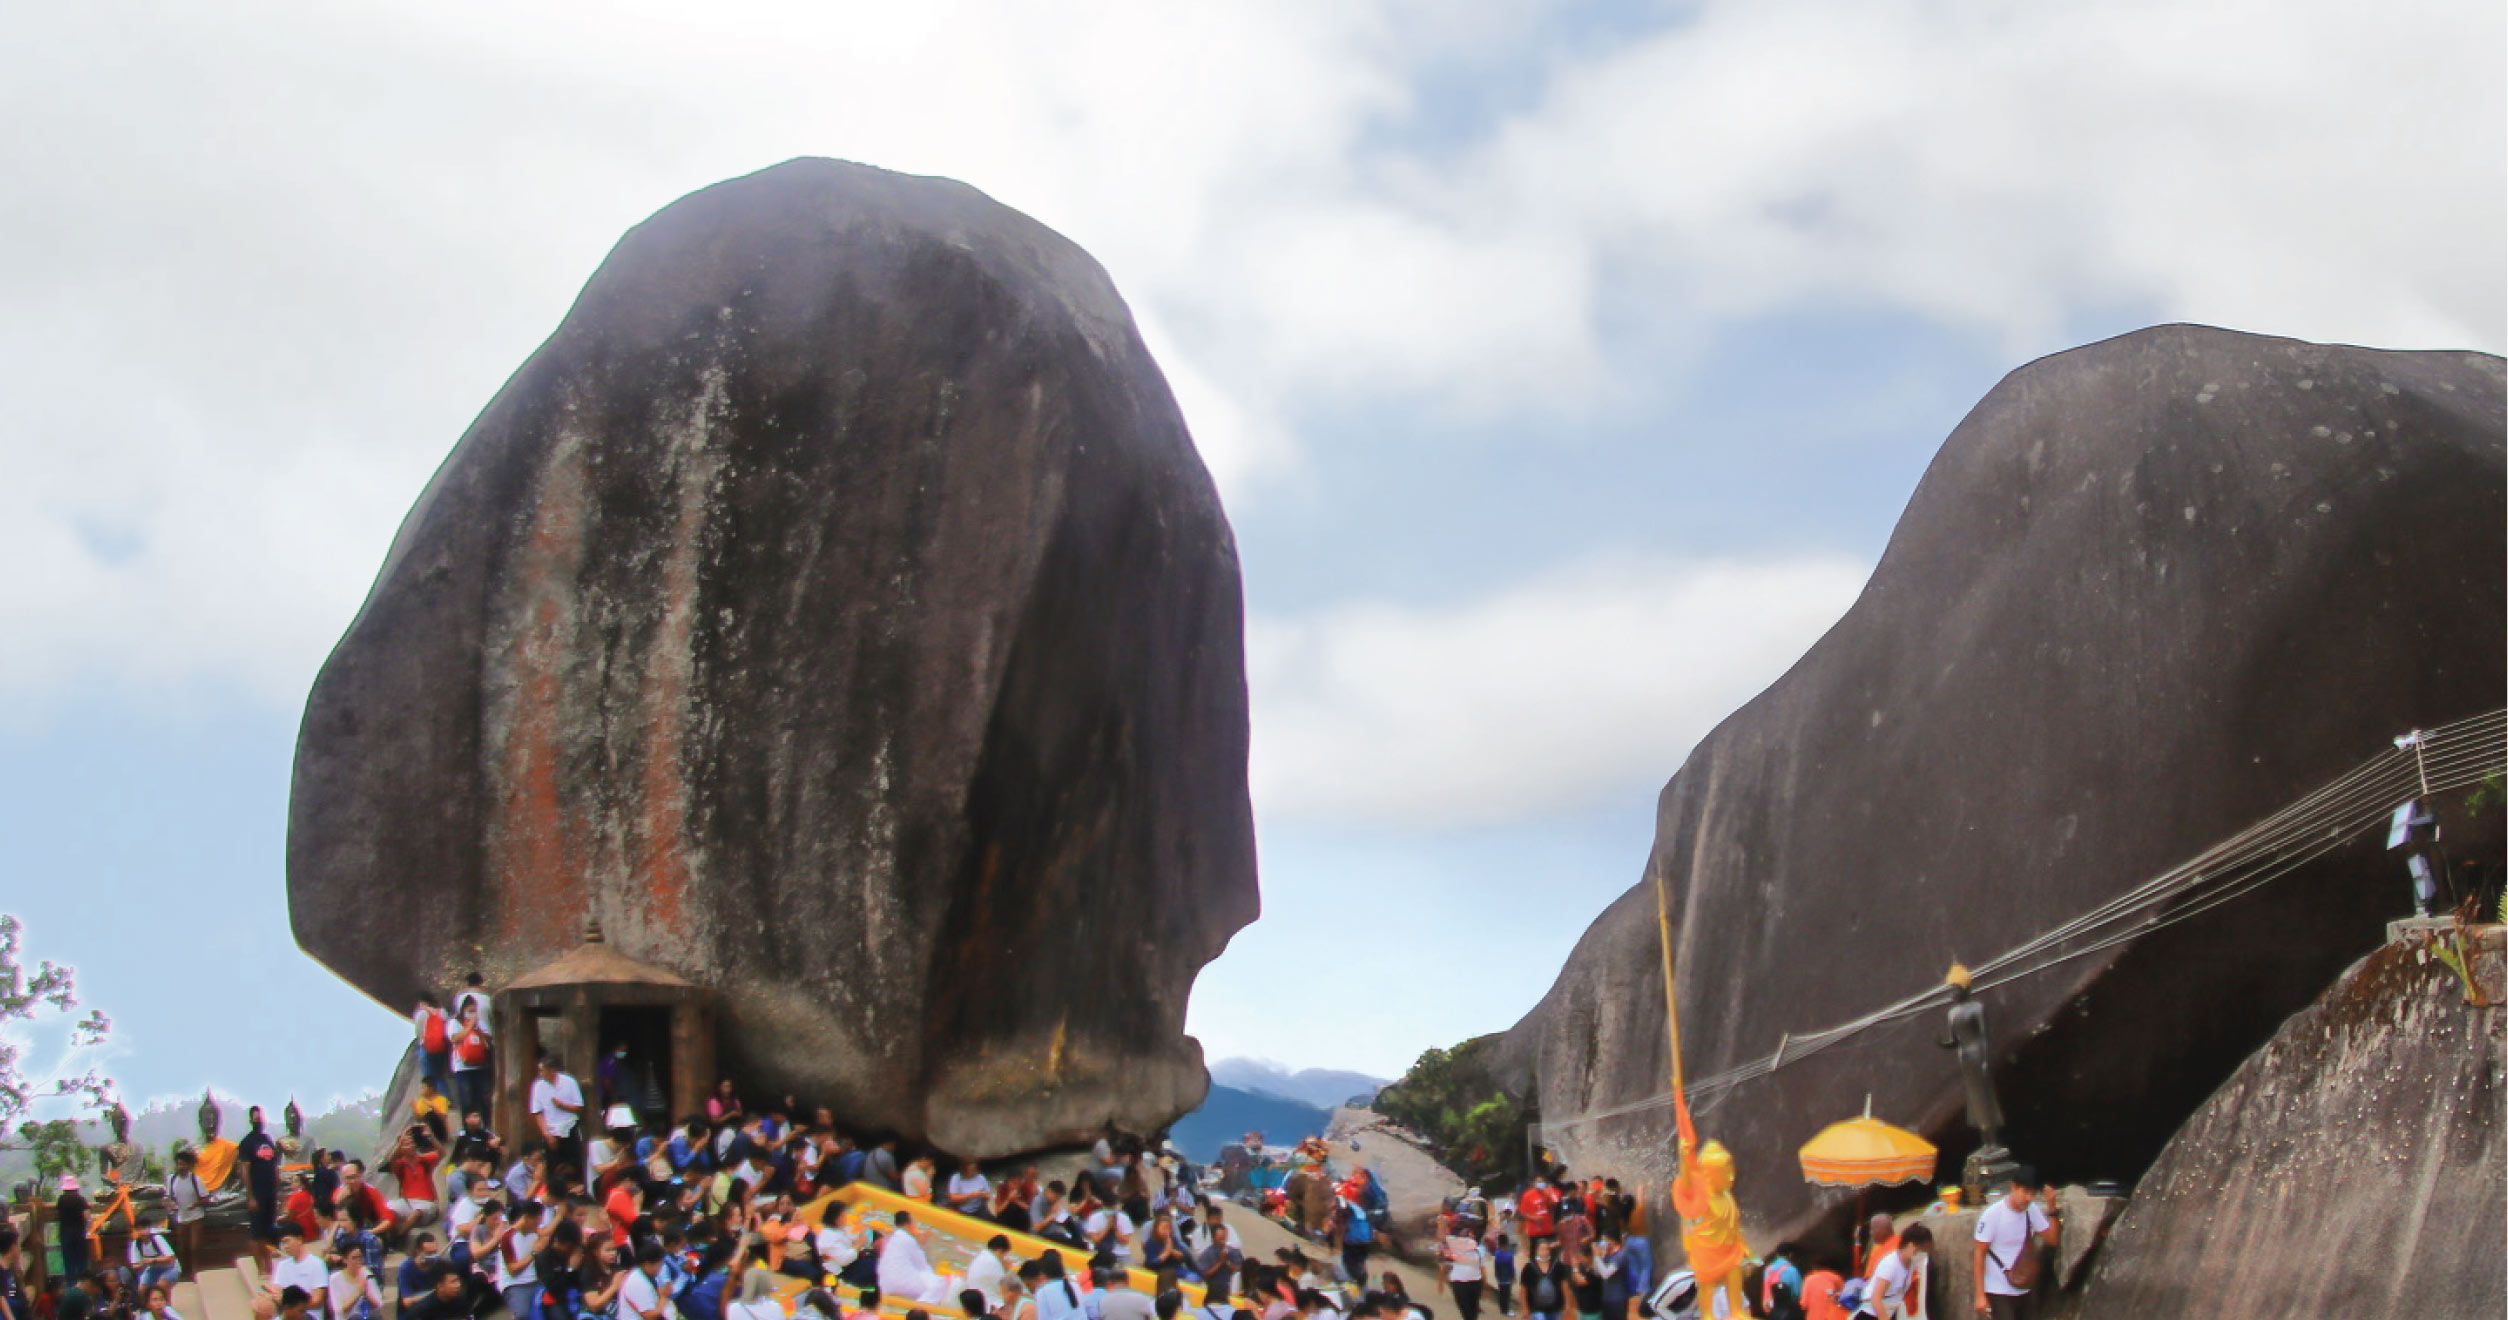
726	1216
1565	1249
729	1214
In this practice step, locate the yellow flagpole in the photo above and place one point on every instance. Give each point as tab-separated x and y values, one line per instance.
1671	1001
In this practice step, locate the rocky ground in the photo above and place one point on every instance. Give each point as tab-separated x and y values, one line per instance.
1416	1185
1263	1236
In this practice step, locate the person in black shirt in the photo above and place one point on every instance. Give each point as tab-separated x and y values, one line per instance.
261	1184
476	1142
450	1299
1544	1281
12	1290
70	1212
1585	1283
326	1181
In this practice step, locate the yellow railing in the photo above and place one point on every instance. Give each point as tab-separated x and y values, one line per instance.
966	1228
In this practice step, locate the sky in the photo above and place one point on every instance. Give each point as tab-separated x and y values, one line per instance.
1563	366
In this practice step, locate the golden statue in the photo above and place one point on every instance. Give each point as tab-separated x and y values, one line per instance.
1711	1224
1702	1193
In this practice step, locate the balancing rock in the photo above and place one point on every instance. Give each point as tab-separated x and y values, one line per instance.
836	608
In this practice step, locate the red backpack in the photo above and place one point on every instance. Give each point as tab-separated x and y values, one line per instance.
473	1049
431	1035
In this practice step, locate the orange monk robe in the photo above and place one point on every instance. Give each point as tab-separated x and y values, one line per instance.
217	1162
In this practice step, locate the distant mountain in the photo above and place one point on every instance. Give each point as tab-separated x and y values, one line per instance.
1229	1113
1327	1087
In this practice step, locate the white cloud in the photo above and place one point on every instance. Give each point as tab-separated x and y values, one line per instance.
1525	701
2304	169
264	260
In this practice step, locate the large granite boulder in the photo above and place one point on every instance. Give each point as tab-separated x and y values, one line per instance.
2149	592
2353	1166
836	608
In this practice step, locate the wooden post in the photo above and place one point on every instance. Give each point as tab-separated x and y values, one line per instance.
31	1251
692	1053
583	1046
517	1061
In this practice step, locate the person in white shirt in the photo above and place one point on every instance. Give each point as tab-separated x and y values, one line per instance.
1106	1220
517	1274
465	1211
297	1266
905	1271
917	1182
642	1295
836	1247
355	1295
185	1190
474	991
473	1058
2007	1231
989	1268
1466	1262
1898	1282
557	1107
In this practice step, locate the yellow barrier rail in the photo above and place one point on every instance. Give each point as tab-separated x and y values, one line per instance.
968	1229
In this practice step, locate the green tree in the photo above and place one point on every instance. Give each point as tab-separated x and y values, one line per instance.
55	1146
1450	1098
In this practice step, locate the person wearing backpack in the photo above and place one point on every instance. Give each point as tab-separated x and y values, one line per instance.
1544	1281
2006	1258
1358	1236
152	1256
1781	1287
473	1049
435	1041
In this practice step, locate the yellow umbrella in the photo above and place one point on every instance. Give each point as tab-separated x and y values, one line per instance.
1862	1151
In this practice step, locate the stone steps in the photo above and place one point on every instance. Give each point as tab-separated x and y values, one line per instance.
224	1294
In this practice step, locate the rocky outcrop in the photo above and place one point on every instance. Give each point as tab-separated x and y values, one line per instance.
835	607
2149	592
2353	1166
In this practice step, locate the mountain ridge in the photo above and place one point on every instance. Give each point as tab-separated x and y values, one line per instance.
1325	1088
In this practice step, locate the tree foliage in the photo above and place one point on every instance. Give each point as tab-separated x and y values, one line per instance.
55	1145
45	993
1450	1098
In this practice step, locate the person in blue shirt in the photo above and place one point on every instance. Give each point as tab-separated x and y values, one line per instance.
1057	1298
417	1277
691	1150
1633	1263
1781	1288
703	1299
848	1163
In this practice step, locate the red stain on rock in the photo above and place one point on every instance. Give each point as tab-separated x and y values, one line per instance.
536	857
661	859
